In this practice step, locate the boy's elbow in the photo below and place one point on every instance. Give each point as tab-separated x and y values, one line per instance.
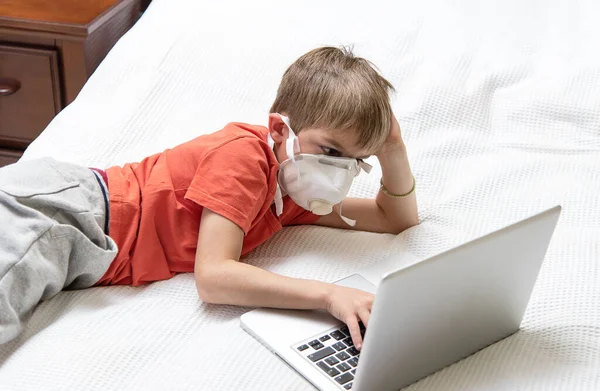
403	225
413	221
212	282
204	287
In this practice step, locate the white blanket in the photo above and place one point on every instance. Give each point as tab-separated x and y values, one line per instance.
500	109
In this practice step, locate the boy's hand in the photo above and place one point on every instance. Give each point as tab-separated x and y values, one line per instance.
351	306
394	141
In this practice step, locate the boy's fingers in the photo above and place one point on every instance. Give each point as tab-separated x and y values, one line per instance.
352	324
364	316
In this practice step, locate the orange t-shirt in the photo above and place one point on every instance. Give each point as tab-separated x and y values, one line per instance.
156	204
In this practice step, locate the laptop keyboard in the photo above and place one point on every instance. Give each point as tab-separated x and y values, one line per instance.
334	353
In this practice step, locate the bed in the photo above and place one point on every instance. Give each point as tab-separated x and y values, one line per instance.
499	106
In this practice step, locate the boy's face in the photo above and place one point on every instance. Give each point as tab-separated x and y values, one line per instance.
316	141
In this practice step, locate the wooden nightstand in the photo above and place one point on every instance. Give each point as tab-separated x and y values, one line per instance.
48	49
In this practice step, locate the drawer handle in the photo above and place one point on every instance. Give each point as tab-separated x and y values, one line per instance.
9	86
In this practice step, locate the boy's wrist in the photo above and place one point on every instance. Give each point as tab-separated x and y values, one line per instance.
395	169
398	148
325	295
392	155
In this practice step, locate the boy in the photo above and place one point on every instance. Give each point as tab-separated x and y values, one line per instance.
202	205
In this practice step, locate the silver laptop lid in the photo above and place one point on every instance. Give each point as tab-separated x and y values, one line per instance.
433	313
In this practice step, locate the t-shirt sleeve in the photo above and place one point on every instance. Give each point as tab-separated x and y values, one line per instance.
232	181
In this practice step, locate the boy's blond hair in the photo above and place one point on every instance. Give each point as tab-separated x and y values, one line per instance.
331	88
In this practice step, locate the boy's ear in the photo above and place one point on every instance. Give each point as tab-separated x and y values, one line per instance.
277	128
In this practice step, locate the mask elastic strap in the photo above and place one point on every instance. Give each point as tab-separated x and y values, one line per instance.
291	146
346	220
278	195
278	201
365	166
270	141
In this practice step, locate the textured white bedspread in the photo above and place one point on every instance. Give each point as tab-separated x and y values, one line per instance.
499	103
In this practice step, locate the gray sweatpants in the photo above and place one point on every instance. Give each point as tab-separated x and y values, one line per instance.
52	218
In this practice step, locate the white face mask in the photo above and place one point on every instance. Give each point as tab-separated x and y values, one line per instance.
315	182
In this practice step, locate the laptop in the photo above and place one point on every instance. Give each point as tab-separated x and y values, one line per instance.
425	317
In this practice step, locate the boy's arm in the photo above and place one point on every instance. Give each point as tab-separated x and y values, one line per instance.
384	214
221	279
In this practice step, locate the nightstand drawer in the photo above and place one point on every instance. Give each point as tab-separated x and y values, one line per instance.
29	93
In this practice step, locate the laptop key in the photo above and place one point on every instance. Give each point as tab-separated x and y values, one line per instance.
344	378
337	335
321	354
348	341
332	360
348	386
343	356
312	343
353	361
344	367
318	346
330	371
353	371
352	351
323	366
339	346
302	347
345	331
325	338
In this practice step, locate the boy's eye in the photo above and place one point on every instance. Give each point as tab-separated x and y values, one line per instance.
331	151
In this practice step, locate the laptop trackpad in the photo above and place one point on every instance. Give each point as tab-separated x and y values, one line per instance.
358	282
